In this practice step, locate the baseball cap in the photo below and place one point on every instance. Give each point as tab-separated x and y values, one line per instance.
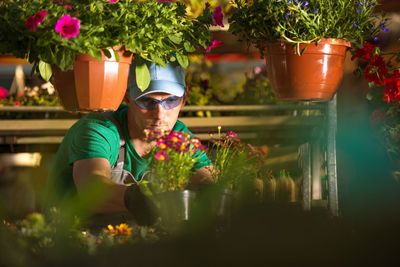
169	79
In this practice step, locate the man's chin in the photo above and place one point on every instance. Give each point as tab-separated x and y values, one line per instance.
158	128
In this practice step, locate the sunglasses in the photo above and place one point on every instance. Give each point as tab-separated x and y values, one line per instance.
151	103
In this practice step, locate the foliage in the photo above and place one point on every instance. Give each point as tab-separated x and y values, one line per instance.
381	71
257	89
236	164
37	235
51	33
33	96
298	21
173	160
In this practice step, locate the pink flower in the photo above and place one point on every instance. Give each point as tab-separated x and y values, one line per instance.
40	16
112	1
68	26
68	6
34	21
161	143
3	92
214	44
175	137
231	135
218	17
161	155
17	103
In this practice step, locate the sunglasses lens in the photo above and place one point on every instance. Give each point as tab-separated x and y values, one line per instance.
150	103
146	103
171	102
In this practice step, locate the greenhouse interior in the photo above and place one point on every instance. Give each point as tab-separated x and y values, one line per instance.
199	133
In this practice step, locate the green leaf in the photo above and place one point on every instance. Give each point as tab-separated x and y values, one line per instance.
142	75
188	47
369	96
95	53
183	60
175	39
45	70
107	53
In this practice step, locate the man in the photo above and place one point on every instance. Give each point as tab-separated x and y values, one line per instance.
93	148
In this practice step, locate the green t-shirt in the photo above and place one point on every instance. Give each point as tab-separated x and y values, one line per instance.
96	136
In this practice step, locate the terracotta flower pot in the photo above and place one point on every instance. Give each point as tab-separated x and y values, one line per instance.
94	85
314	75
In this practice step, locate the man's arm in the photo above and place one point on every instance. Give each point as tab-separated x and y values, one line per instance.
202	176
90	170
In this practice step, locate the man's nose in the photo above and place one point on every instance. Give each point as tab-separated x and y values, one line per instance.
160	111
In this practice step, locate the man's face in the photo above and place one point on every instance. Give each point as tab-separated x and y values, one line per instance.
149	113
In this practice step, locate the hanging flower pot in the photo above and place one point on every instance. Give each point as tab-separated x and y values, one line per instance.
307	71
94	85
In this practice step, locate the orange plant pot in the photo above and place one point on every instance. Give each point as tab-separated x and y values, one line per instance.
94	85
314	75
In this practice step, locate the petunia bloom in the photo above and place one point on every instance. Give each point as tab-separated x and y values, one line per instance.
68	26
218	17
34	21
214	44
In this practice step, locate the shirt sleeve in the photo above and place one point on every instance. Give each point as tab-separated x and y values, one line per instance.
93	140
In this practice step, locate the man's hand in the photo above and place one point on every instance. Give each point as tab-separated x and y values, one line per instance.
202	176
142	208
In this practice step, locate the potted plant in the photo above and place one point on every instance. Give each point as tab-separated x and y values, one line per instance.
380	68
305	42
171	166
73	36
236	170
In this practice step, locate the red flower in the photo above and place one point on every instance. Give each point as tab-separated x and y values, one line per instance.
68	6
17	103
376	70
391	93
365	52
34	21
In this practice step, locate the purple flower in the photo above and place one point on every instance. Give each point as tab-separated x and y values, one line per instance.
218	17
68	26
287	14
34	21
383	27
214	44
